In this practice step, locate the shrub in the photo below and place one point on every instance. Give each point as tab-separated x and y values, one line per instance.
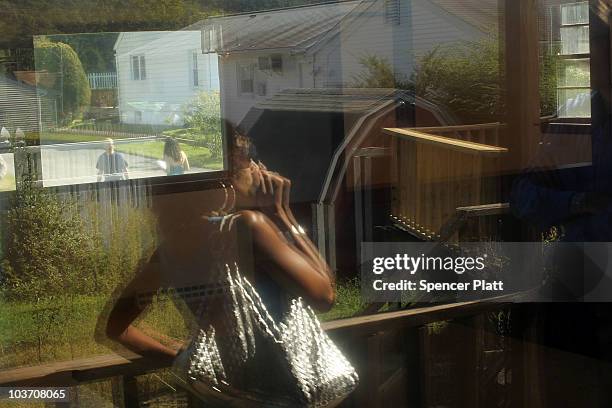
48	252
70	81
203	115
378	73
466	78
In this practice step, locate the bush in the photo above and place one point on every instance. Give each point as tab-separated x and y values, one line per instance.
378	74
465	78
48	250
202	115
70	81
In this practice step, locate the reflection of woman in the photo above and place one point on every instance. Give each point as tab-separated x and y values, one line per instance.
250	224
175	158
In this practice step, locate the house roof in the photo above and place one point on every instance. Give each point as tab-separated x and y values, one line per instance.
482	14
356	101
289	28
328	99
156	42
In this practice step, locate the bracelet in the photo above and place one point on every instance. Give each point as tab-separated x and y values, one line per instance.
297	230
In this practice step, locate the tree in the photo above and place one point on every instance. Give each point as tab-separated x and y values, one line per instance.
202	115
68	78
378	73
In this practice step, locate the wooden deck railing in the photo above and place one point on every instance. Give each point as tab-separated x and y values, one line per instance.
436	170
486	133
365	339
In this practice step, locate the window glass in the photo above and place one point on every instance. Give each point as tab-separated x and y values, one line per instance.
120	98
364	156
246	78
575	40
195	69
575	73
576	13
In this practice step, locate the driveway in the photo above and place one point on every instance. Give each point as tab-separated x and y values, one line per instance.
75	163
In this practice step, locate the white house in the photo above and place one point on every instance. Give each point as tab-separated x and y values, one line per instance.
158	71
324	45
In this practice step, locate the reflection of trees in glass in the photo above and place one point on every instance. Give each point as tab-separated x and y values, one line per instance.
22	19
202	116
60	263
549	63
47	250
66	78
94	50
378	73
464	78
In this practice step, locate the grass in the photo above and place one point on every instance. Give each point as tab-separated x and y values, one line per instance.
348	301
27	339
7	183
23	342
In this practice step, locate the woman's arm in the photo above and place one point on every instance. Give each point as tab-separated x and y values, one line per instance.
135	297
185	160
295	268
280	187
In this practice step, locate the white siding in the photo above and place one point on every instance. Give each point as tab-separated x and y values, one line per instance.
235	105
366	34
169	74
422	26
433	26
337	62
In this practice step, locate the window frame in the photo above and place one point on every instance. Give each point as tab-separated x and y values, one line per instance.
566	57
139	73
242	67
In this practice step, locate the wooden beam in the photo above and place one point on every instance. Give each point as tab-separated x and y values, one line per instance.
485	209
477	126
447	142
358	326
521	47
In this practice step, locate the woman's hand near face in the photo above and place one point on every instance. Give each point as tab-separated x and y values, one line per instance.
278	189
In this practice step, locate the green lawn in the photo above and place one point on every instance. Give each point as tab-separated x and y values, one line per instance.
7	183
198	156
64	329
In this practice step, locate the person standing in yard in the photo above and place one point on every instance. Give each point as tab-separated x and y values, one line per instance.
175	158
111	165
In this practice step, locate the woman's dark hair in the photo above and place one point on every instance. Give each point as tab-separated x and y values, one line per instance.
172	149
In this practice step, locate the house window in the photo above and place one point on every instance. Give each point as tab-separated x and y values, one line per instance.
139	71
273	62
276	62
246	74
574	86
195	76
392	12
264	63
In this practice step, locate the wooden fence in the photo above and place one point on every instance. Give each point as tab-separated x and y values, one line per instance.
436	170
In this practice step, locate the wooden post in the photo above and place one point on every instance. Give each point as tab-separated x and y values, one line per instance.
601	82
521	44
130	392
